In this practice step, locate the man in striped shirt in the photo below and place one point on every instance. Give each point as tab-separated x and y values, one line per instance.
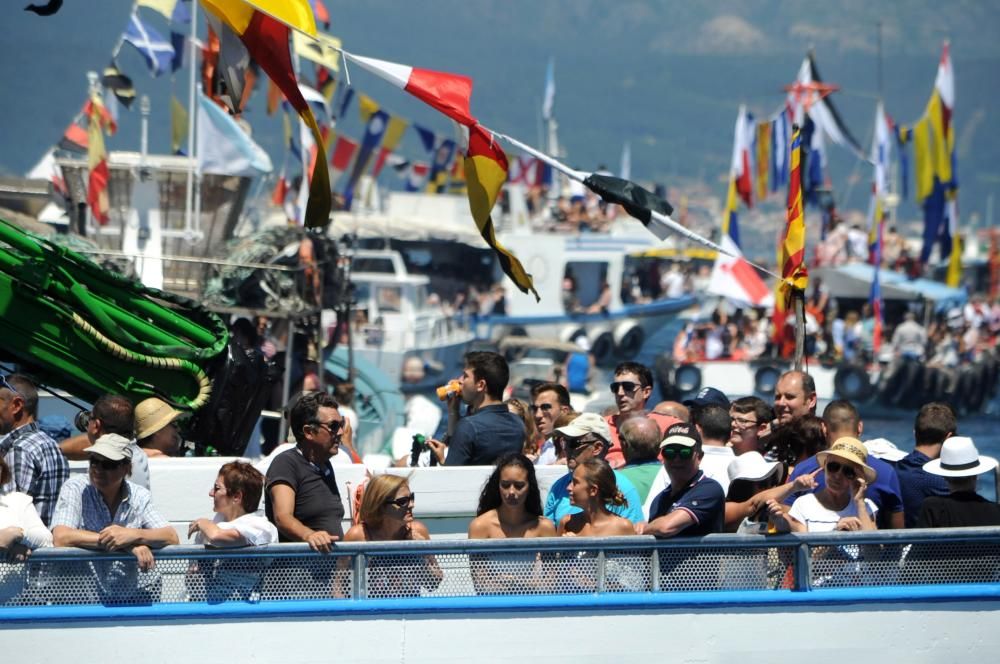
37	466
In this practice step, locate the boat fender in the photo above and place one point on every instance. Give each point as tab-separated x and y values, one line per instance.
852	383
765	379
628	337
990	374
967	387
569	333
974	399
687	378
663	370
602	346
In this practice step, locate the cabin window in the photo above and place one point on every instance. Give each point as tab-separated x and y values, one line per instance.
389	299
368	264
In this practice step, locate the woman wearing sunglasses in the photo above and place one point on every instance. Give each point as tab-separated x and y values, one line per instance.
841	504
386	514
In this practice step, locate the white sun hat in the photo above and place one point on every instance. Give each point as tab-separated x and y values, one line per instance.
960	458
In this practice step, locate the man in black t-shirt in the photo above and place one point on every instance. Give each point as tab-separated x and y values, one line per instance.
302	497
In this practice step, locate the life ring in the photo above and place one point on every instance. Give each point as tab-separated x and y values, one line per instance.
663	370
852	383
628	337
602	346
687	378
765	380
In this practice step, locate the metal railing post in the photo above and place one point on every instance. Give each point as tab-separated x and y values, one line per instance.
359	586
601	570
803	567
655	572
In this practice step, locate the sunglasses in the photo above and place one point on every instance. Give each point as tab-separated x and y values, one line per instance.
545	407
404	501
671	453
845	470
333	426
106	464
6	383
626	385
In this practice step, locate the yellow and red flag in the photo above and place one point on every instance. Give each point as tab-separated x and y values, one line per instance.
485	173
264	27
100	121
792	248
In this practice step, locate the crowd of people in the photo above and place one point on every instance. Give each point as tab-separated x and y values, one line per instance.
671	469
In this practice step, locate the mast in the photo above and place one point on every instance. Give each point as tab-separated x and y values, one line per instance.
192	120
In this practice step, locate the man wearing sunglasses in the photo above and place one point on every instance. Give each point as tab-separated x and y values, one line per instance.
692	504
111	413
37	466
631	387
587	437
548	402
302	497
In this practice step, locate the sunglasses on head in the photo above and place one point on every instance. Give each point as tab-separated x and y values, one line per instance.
671	453
544	407
626	385
106	464
845	470
6	383
403	501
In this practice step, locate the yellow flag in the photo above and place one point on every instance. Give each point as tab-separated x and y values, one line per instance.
178	124
165	7
296	14
366	106
953	277
323	50
394	132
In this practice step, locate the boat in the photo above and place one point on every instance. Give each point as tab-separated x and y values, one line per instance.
764	593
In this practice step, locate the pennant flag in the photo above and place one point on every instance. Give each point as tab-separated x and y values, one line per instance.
625	172
345	101
809	96
157	51
730	217
320	12
792	248
437	183
880	157
781	132
416	175
549	96
119	84
178	125
934	163
485	173
182	13
178	40
266	35
763	158
374	131
223	146
325	83
638	202
743	156
74	139
733	278
47	169
281	188
273	97
324	49
953	277
343	152
164	7
233	64
366	106
97	160
390	141
875	298
448	93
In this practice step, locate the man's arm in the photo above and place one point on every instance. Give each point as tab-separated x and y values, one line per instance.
460	445
670	524
283	509
73	447
66	536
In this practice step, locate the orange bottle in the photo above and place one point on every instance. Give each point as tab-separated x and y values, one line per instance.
452	387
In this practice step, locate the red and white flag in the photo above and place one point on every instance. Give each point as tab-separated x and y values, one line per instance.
742	168
734	279
448	93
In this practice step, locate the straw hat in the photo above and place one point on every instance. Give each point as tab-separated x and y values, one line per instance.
849	449
151	415
960	458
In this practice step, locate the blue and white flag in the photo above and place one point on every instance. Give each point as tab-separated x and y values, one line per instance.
224	147
158	52
550	90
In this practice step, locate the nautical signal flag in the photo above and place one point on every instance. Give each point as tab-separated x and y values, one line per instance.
158	52
119	84
733	278
97	159
265	33
792	248
448	93
730	216
485	173
742	168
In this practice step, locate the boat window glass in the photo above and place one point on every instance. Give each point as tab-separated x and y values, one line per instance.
362	293
389	298
589	277
372	264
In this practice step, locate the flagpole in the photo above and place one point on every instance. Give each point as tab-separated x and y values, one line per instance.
192	120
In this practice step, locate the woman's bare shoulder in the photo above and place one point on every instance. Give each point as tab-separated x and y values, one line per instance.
356	533
544	528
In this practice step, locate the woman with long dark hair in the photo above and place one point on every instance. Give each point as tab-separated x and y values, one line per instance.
510	504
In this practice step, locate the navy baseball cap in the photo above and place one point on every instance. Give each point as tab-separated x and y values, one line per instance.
708	396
